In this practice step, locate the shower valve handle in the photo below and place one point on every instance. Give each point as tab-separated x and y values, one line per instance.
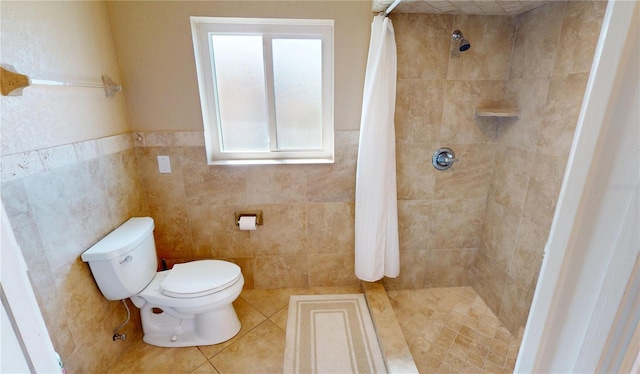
449	158
444	158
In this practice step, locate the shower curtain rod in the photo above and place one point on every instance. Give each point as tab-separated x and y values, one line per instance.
391	7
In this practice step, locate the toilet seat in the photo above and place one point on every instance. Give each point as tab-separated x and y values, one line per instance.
199	278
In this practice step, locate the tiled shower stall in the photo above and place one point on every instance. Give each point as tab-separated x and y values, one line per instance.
485	222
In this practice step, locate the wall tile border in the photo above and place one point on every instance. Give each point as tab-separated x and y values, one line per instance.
24	164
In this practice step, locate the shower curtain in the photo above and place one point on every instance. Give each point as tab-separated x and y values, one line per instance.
376	222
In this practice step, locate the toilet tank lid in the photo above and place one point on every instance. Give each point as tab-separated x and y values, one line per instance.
121	240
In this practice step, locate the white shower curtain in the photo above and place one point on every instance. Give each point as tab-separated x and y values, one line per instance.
376	224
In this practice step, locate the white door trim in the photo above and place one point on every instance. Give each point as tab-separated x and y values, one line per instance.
18	300
567	316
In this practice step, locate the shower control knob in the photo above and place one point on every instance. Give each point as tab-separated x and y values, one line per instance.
443	158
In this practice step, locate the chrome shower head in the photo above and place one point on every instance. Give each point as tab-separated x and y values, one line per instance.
464	44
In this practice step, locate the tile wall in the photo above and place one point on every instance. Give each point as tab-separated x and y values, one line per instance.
552	57
60	201
485	221
441	213
307	237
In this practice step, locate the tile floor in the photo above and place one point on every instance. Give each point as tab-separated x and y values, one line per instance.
447	329
258	347
451	330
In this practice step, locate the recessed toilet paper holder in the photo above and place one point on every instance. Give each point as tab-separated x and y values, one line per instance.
249	213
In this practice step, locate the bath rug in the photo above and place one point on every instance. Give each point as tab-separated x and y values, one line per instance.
331	334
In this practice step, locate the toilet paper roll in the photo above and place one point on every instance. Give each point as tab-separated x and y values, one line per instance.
247	222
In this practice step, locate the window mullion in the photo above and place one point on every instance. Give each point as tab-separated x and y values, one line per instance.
270	93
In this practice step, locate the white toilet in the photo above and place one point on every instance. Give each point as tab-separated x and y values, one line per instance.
188	305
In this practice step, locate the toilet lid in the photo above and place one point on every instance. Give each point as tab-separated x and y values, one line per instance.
199	278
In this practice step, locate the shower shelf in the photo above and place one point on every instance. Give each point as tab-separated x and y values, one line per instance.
497	112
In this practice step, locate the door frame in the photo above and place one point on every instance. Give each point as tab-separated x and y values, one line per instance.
584	275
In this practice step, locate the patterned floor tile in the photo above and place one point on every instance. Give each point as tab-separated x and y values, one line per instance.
459	334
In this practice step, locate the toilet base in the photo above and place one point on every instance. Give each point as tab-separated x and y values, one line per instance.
208	328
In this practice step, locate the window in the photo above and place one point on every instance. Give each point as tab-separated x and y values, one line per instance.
266	89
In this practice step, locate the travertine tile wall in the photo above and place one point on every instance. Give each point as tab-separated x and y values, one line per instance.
441	213
60	201
485	221
307	239
307	236
552	57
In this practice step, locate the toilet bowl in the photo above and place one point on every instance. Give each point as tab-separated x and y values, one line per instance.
189	305
202	317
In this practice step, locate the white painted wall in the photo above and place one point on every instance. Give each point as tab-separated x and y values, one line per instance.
155	51
64	41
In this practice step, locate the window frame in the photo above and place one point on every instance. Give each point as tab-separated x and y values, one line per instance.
270	28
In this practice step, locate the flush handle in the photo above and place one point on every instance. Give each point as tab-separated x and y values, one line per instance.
443	158
126	259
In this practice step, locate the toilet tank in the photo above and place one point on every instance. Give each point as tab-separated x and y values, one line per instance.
124	262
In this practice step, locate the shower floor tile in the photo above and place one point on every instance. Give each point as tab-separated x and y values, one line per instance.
451	330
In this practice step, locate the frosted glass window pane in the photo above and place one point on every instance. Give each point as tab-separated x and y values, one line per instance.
239	78
297	80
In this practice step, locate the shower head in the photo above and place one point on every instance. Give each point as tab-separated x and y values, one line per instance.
464	44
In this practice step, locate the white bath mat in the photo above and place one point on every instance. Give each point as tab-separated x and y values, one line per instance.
331	334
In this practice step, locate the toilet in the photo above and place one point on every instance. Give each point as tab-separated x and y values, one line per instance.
189	305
